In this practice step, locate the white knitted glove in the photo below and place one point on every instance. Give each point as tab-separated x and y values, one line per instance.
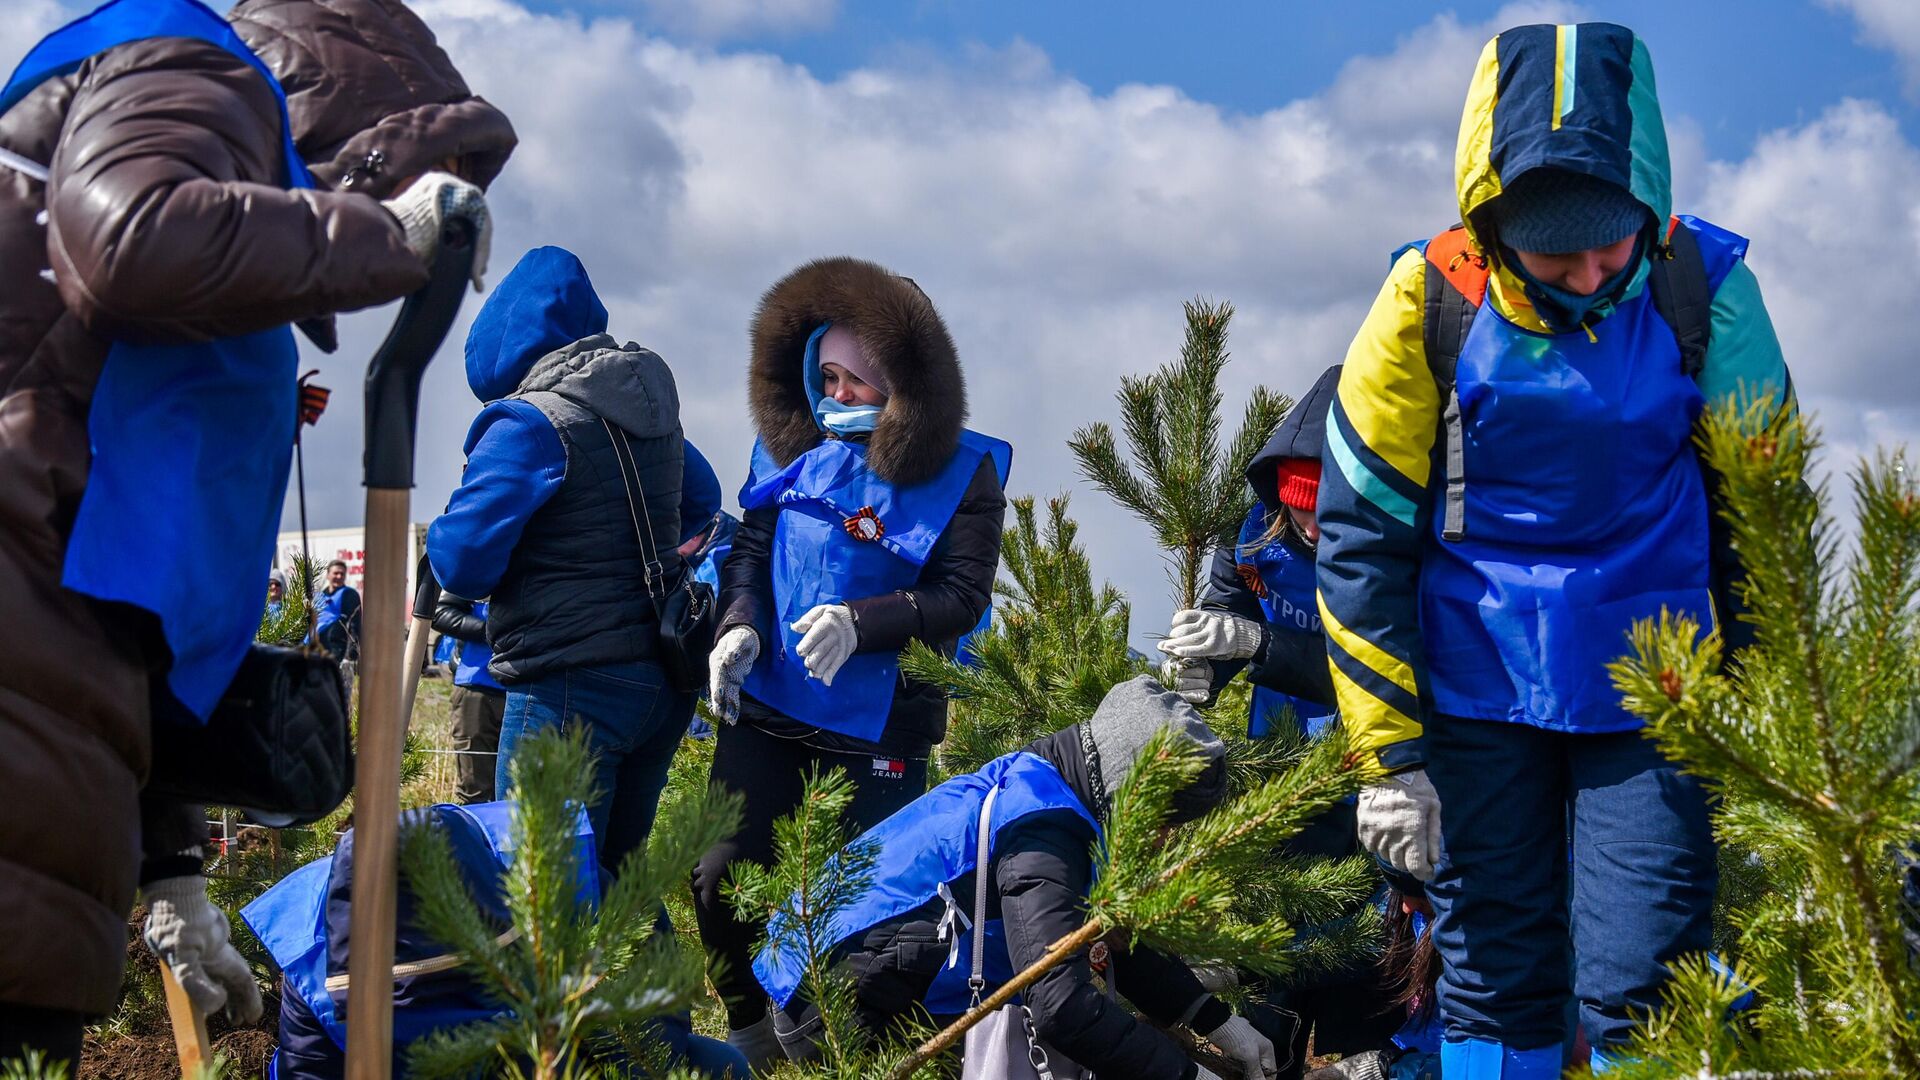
829	639
426	205
733	656
189	935
1250	1050
1400	822
1211	635
1205	1073
1191	679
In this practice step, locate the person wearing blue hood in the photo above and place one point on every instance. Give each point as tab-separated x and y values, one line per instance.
569	512
871	519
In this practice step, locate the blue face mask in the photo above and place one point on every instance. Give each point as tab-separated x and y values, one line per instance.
1563	311
846	419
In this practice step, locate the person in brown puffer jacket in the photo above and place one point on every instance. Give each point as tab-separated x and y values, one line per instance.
167	217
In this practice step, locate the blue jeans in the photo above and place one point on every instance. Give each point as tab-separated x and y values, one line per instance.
1520	808
634	722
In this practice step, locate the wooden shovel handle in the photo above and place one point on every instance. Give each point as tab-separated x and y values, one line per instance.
189	1027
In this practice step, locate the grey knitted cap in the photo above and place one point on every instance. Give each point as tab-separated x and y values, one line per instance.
1555	211
1127	719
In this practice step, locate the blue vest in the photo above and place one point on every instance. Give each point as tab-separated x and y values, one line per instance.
925	846
964	652
825	496
1286	592
470	659
1585	512
303	919
329	612
191	443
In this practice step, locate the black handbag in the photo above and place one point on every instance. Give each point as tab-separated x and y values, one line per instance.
277	745
684	607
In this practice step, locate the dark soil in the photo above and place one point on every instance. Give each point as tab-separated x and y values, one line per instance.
151	1057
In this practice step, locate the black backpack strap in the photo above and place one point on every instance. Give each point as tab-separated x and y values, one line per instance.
1678	280
1448	317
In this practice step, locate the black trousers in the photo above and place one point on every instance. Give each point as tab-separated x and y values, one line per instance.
54	1032
770	773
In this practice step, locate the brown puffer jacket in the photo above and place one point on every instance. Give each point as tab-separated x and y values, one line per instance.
166	220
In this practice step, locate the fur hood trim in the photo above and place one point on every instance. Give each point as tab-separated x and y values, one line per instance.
902	334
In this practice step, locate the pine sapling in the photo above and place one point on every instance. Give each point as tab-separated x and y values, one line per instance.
1175	476
1811	738
1057	645
570	973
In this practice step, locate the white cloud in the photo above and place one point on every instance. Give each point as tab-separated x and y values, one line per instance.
1893	25
27	22
1833	208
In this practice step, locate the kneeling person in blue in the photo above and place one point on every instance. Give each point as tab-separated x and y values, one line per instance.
1043	807
567	519
872	518
304	923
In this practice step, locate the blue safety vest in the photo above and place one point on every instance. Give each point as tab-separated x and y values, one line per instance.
470	659
919	851
191	443
329	612
1282	580
844	533
1585	512
303	922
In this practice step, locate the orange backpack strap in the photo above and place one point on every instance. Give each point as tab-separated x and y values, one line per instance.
1456	284
1452	253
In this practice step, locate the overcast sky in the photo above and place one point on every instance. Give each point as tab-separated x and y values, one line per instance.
1059	177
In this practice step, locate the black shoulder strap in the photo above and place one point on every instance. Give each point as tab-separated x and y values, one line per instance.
1678	279
1448	317
630	479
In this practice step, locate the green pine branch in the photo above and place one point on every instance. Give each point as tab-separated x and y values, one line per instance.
1173	889
570	973
1809	738
1173	475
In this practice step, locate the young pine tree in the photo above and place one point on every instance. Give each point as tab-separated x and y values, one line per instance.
1812	739
1057	645
816	874
573	977
1179	481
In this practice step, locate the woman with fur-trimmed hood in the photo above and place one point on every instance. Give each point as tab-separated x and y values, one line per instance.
871	519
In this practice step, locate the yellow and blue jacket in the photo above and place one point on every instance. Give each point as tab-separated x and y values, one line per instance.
1572	441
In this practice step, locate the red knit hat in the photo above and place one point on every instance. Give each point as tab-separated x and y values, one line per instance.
1300	483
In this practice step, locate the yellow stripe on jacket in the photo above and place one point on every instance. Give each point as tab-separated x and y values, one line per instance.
1374	509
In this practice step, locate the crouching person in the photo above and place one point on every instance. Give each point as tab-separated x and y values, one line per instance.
1047	805
304	923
